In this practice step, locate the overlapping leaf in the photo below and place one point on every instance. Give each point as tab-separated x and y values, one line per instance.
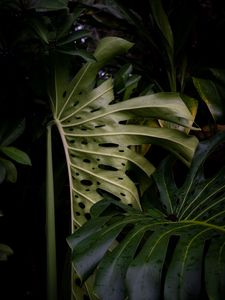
97	131
179	254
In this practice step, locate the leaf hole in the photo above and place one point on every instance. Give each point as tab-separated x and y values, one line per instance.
75	103
99	126
64	94
82	205
107	195
86	182
95	109
120	178
77	174
111	145
87	216
121	150
77	213
86	160
123	122
107	168
78	282
84	142
122	194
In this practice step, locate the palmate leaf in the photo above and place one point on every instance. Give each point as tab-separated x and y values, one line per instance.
96	134
177	255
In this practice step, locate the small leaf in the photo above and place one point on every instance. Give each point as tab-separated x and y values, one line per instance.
5	252
11	171
16	154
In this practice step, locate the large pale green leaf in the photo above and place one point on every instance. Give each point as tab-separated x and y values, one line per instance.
97	132
179	254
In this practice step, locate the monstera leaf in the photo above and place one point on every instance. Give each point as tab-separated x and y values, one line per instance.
174	252
97	131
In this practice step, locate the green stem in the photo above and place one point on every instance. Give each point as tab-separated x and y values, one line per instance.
50	222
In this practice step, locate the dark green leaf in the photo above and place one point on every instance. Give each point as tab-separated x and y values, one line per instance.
11	171
90	251
16	154
113	267
144	273
209	92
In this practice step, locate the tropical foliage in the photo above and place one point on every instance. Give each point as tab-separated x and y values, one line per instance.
174	252
114	114
97	132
